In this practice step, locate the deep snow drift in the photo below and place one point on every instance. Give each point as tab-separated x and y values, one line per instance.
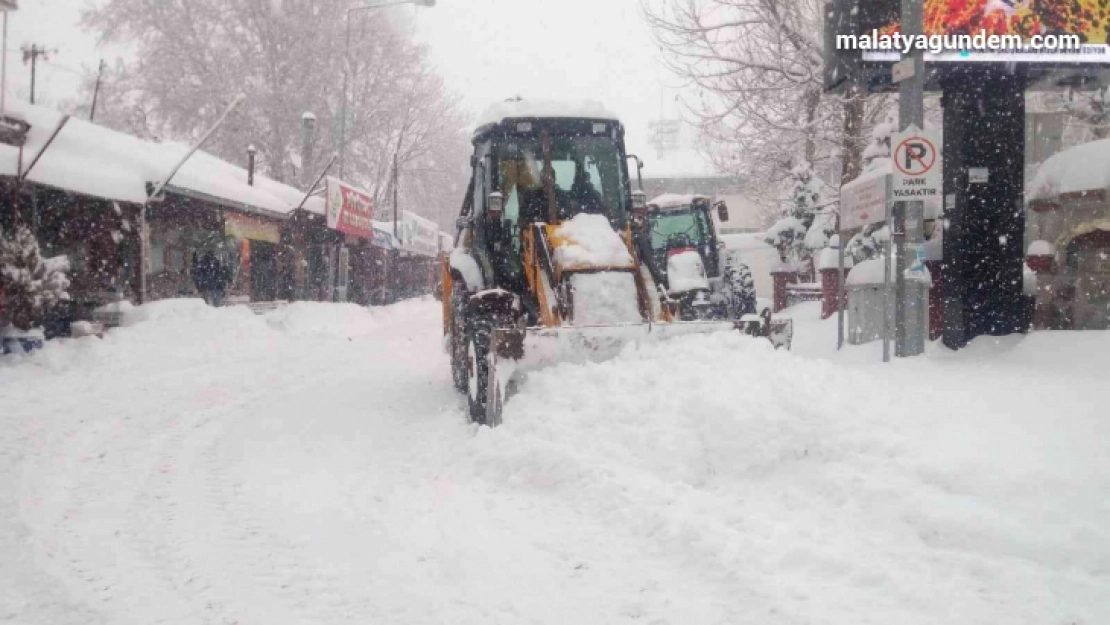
313	466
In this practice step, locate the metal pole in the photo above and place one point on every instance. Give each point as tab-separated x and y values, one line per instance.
34	63
347	69
395	180
886	299
311	189
839	287
909	216
162	185
22	175
96	91
343	115
4	69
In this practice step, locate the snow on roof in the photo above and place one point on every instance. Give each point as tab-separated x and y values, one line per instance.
673	200
1085	167
586	109
93	160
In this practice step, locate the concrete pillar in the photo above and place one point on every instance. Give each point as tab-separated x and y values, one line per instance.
984	129
830	287
936	299
782	277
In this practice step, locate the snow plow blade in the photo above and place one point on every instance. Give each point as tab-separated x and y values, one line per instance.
514	352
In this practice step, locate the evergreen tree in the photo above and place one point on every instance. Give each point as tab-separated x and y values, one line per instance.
30	283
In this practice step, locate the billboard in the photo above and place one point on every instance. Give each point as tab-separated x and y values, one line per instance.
1024	30
349	210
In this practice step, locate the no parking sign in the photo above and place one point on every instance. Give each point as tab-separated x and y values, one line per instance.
918	165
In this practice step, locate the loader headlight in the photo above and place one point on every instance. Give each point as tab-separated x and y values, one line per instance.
639	199
496	204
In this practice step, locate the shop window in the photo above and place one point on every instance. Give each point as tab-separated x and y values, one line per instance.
157	257
176	259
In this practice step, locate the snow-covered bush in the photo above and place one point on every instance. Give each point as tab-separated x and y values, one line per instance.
868	243
29	283
877	152
788	234
820	231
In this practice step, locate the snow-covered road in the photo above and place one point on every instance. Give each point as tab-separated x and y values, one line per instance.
314	466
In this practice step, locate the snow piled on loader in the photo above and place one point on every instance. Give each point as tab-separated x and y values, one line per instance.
589	241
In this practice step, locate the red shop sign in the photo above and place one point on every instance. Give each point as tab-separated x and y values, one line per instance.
349	210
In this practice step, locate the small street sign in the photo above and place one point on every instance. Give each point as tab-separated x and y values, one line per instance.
918	165
864	201
903	70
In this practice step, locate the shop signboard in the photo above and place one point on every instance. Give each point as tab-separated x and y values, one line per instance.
864	201
251	228
349	210
992	31
419	235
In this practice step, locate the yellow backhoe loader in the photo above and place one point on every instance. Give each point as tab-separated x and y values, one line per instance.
546	267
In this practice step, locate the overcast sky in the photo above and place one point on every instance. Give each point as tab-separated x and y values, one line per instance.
487	50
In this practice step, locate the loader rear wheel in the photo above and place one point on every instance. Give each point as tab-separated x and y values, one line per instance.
477	369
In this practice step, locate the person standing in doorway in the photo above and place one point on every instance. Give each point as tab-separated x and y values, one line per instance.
205	276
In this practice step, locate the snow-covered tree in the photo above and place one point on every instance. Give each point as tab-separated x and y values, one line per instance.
757	68
287	56
791	234
877	152
29	283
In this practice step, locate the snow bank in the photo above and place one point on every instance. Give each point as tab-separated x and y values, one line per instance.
605	298
317	319
817	506
217	470
525	108
589	241
1085	167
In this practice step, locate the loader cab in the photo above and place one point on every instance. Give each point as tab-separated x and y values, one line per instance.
530	170
678	223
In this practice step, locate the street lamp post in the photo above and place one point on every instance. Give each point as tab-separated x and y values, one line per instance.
347	69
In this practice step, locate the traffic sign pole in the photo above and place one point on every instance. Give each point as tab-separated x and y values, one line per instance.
908	218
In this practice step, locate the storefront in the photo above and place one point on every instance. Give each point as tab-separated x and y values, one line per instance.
1068	239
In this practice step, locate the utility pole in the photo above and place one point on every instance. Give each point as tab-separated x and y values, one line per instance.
96	91
395	194
31	53
908	231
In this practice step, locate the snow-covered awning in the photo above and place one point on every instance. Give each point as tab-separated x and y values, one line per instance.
92	160
1079	173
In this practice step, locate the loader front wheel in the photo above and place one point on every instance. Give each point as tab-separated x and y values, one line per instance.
458	336
477	370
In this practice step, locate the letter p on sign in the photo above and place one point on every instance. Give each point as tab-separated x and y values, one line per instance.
918	165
